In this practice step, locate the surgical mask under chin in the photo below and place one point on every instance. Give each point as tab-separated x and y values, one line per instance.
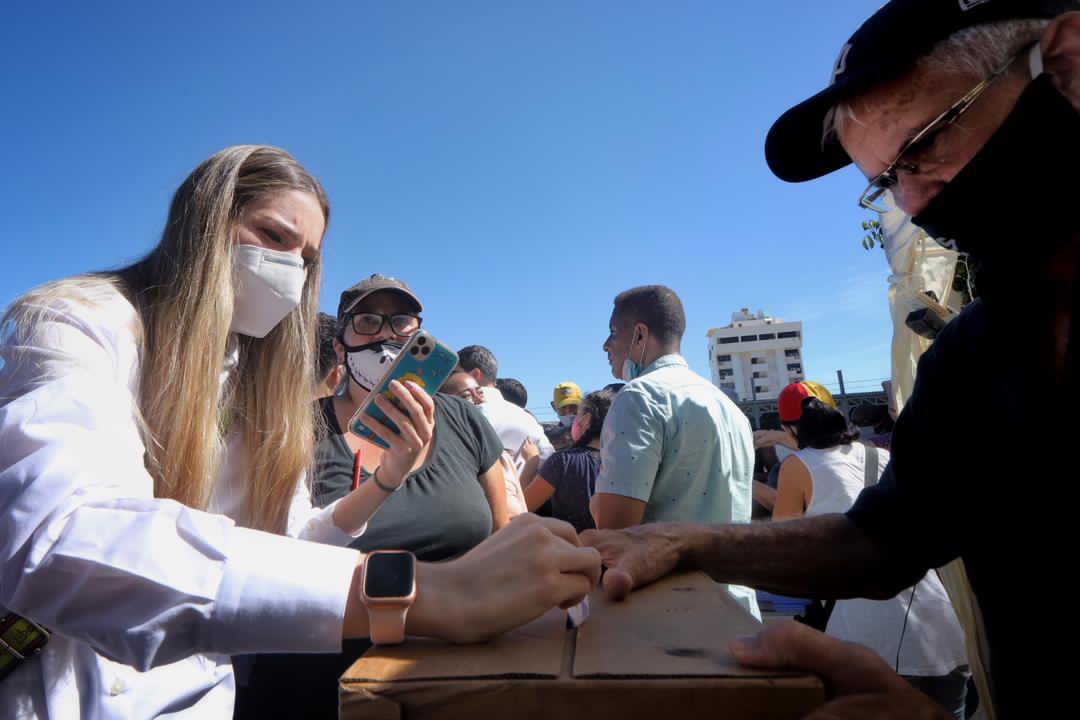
368	363
267	286
566	420
1016	199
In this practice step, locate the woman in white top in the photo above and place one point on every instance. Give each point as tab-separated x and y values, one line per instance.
155	428
917	631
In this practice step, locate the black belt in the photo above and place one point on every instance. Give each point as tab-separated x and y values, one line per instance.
20	639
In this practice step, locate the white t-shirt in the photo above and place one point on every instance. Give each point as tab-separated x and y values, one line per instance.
513	424
146	598
933	642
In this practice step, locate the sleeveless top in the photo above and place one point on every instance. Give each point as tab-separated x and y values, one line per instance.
933	642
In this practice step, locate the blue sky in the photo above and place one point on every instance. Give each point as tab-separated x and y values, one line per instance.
518	164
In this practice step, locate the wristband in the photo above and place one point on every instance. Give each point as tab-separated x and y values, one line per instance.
385	488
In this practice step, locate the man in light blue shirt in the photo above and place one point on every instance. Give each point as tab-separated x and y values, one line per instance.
673	447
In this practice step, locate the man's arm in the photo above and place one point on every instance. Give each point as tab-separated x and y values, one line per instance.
631	445
821	557
615	512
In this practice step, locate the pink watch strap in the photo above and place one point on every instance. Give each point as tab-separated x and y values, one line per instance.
387	624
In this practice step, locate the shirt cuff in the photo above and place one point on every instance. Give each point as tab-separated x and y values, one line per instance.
281	594
321	528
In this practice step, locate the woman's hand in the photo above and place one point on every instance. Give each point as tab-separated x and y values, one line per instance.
529	567
417	426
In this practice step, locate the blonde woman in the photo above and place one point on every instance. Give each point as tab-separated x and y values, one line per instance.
155	428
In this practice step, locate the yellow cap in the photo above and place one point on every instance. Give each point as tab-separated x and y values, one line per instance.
566	393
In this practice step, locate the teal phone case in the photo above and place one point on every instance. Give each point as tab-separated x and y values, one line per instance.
425	361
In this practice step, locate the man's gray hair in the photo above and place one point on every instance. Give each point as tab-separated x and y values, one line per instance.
976	51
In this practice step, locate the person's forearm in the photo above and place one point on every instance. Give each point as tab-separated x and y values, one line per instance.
763	495
824	557
528	471
356	508
494	485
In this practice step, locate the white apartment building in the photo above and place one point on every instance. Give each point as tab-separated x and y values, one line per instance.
756	356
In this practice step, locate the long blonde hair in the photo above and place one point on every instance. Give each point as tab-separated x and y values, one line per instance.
183	294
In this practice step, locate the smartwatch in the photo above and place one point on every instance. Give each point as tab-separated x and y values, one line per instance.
388	590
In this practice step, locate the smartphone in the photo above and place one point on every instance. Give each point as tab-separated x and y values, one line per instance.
424	361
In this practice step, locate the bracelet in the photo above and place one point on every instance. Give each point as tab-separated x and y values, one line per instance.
384	488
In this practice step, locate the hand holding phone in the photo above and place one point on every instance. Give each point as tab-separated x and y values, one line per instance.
423	364
412	411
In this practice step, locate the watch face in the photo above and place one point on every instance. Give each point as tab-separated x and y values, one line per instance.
388	575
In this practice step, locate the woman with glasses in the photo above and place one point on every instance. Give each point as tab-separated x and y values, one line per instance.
438	503
455	478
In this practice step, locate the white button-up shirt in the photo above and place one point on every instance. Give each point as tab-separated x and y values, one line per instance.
513	425
146	598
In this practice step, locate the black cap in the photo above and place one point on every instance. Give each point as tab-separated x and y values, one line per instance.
373	284
886	46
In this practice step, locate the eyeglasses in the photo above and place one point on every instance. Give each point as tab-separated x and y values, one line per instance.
888	178
404	324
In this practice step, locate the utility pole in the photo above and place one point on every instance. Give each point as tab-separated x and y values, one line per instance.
843	394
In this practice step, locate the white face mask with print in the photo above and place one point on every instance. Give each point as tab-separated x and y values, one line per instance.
267	286
368	363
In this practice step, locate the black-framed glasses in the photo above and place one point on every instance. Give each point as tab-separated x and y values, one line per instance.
367	323
888	177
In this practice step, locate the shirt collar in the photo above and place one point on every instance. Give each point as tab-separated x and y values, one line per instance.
674	359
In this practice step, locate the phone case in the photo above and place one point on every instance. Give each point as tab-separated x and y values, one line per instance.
425	361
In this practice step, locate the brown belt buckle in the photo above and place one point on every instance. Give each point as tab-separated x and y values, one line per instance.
20	639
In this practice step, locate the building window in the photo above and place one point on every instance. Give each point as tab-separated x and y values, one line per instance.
788	334
748	338
766	336
723	358
727	340
757	361
726	373
761	374
761	389
791	353
795	367
727	386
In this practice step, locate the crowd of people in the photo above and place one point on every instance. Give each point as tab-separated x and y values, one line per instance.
191	530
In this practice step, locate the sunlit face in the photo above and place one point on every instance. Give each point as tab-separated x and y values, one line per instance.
890	114
383	302
618	343
464	386
566	410
288	221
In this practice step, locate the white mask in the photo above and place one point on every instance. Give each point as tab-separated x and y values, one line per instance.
268	285
368	363
566	420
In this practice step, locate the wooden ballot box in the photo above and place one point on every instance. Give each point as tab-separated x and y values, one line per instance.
662	653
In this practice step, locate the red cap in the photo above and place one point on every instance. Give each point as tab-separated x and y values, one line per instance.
790	401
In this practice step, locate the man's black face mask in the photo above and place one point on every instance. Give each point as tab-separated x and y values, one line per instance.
1017	200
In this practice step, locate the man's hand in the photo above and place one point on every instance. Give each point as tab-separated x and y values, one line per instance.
860	683
636	556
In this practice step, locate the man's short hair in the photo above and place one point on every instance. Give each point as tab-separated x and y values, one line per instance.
657	307
478	357
513	391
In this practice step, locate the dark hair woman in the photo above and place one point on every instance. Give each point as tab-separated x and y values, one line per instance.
568	478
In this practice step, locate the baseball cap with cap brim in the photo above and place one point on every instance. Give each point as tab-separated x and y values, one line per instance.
375	283
566	393
883	48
